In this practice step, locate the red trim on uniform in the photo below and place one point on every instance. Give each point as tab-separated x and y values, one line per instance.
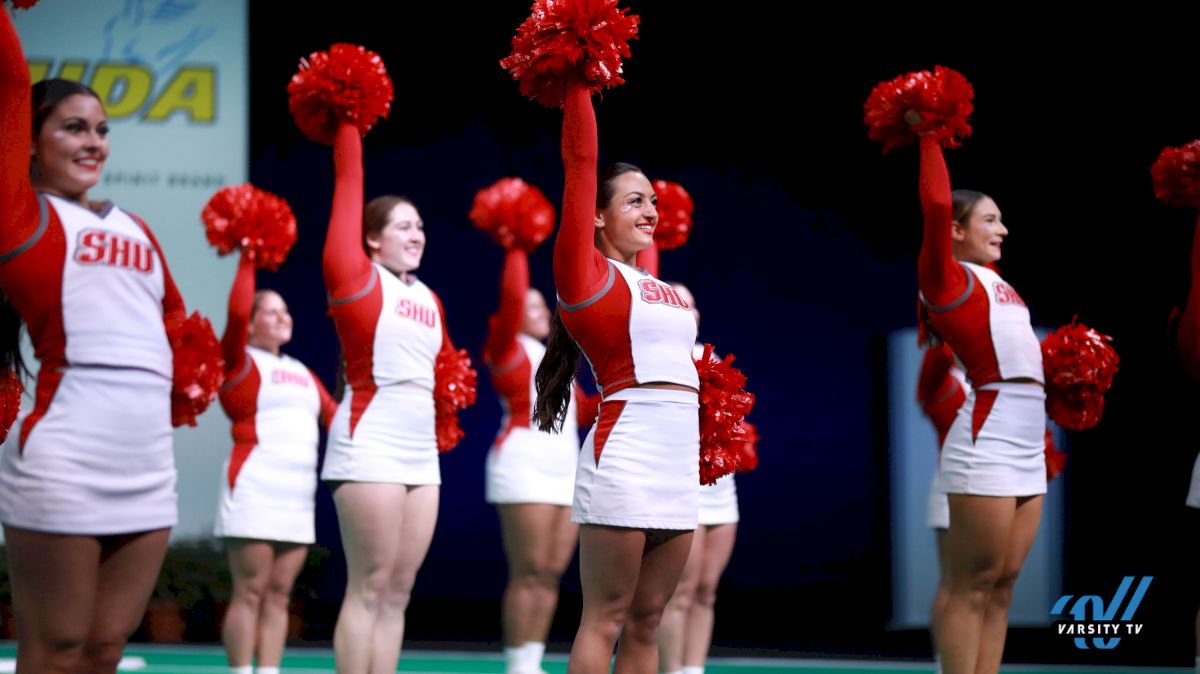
360	398
47	383
967	329
237	458
356	322
328	406
240	403
610	411
602	331
512	384
984	400
33	281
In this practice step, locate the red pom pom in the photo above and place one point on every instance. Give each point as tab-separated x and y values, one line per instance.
453	390
748	449
199	367
1079	366
1056	459
23	4
514	213
1176	175
674	215
11	389
724	404
347	84
566	39
941	98
243	216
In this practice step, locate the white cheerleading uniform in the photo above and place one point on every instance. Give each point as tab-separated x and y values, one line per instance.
93	456
384	429
937	514
996	446
526	465
719	502
269	481
639	466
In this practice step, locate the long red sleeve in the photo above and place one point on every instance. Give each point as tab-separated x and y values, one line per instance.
328	404
1189	323
237	324
579	269
647	258
447	345
18	204
505	324
939	277
345	264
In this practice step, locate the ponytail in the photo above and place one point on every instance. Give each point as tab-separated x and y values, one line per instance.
555	375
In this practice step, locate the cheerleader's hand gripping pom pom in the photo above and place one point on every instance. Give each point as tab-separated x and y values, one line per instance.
724	404
565	40
514	213
1079	366
256	221
920	103
199	367
346	85
453	390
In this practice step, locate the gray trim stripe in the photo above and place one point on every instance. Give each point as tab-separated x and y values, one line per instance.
612	271
364	291
963	298
237	379
43	225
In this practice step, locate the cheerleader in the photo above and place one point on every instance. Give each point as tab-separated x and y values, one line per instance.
687	624
636	483
269	484
530	473
382	456
992	464
87	490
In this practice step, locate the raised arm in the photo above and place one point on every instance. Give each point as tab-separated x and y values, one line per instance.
506	323
237	323
345	264
940	278
579	269
18	205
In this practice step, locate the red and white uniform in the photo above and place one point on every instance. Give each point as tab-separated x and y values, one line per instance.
269	481
94	455
996	445
639	466
391	332
526	465
941	390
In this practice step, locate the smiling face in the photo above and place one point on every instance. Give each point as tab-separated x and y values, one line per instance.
980	237
70	148
400	243
625	224
270	322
